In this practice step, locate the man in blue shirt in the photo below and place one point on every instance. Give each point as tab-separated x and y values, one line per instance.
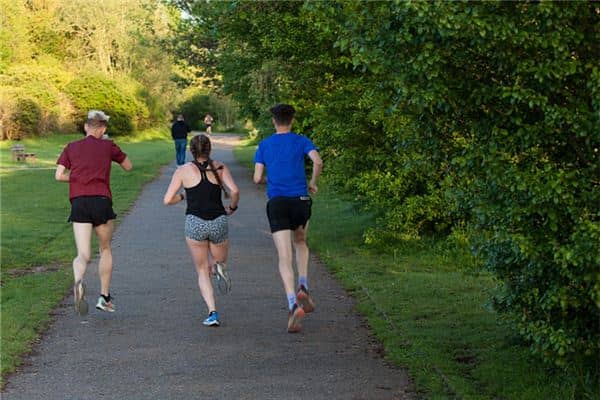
289	205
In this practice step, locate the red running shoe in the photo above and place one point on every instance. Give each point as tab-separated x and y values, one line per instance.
307	303
295	316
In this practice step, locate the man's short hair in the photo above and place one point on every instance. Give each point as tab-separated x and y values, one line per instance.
97	118
283	114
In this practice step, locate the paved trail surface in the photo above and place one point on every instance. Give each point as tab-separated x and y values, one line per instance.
155	347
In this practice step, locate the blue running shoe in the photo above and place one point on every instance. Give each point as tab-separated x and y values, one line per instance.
212	320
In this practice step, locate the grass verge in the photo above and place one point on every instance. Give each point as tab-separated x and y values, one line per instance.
36	242
428	309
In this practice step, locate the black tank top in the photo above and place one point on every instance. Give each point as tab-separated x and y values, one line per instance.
204	199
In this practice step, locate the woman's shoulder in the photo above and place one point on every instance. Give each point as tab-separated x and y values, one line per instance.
185	168
219	164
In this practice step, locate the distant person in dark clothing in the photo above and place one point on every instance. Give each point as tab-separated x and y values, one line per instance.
179	132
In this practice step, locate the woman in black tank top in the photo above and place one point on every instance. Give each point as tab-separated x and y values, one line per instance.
204	199
205	182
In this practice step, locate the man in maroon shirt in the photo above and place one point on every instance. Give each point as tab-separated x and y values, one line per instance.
86	164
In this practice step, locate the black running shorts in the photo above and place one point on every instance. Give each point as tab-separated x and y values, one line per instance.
96	210
288	212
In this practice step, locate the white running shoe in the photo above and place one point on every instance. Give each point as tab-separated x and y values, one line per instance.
81	306
223	279
105	305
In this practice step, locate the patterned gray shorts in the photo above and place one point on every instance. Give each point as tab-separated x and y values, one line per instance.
214	230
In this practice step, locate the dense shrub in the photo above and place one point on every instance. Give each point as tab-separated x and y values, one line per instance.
194	108
65	100
45	70
91	91
41	84
62	101
158	112
197	103
20	114
502	133
432	114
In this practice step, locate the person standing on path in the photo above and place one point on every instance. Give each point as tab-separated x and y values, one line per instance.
289	204
85	164
179	132
206	228
208	121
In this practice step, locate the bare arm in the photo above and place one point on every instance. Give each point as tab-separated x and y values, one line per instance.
61	173
259	170
233	189
126	164
316	170
171	196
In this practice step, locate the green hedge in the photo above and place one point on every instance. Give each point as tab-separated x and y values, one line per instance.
32	100
444	115
21	114
41	98
93	91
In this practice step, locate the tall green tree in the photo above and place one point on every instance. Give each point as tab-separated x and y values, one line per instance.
504	100
449	114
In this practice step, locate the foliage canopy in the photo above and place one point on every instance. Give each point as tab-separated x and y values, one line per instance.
442	116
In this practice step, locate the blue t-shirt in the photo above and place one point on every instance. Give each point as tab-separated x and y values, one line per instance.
283	156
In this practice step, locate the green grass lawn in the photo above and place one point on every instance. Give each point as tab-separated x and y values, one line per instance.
428	306
35	234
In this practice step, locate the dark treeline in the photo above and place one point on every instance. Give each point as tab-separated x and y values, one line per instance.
446	119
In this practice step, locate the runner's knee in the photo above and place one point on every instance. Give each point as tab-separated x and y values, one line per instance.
299	238
104	247
202	268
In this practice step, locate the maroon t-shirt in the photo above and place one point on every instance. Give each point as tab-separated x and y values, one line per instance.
89	162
